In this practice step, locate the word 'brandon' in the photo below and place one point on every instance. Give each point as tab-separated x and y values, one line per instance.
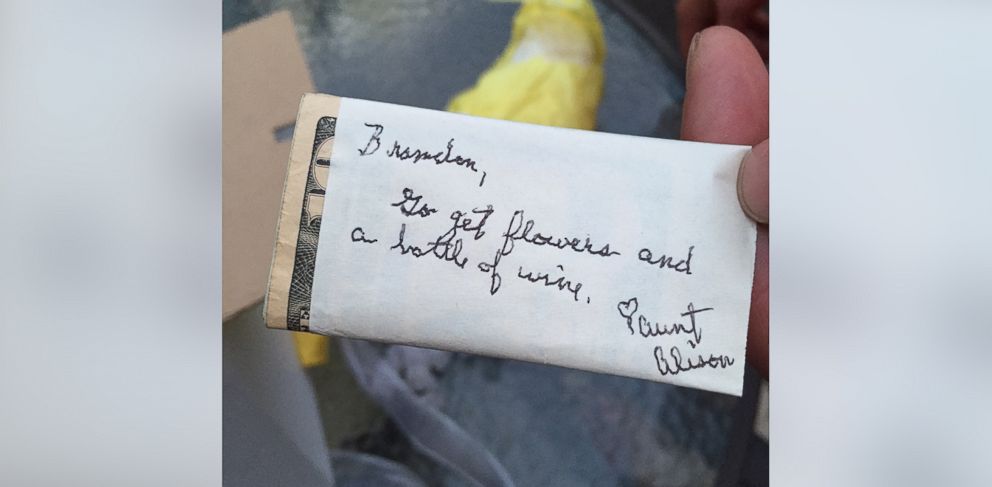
414	155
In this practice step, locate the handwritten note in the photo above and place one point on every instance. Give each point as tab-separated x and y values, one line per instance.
616	254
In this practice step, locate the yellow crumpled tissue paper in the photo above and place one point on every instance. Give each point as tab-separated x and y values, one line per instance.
551	72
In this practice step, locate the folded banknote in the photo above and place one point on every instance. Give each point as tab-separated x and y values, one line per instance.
609	253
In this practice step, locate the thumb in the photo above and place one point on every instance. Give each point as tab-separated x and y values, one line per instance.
752	183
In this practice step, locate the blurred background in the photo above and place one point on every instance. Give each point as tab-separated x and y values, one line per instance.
423	52
369	414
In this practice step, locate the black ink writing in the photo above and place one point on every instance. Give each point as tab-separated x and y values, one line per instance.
445	247
667	262
521	230
561	283
648	329
464	222
674	362
358	235
376	132
406	153
627	309
414	155
409	204
491	267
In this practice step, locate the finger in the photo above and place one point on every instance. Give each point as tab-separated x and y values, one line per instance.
693	16
757	329
726	101
752	183
726	97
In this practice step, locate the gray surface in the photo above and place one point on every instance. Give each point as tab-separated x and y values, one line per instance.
552	426
272	426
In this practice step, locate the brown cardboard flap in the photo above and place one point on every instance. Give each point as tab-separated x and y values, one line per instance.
265	75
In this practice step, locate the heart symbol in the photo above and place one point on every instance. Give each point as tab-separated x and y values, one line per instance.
627	309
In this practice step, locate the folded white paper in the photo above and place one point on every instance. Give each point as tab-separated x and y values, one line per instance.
615	254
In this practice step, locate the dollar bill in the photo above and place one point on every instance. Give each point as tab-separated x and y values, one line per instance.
287	301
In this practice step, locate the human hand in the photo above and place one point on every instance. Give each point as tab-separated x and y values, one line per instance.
726	101
747	16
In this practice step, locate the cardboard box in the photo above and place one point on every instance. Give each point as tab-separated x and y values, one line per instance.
265	75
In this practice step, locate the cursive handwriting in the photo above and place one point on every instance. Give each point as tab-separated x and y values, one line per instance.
358	235
674	363
648	329
464	222
445	247
409	204
414	155
561	283
521	230
627	309
376	132
495	280
666	262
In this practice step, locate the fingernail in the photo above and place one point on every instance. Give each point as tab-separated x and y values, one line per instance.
693	44
752	183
